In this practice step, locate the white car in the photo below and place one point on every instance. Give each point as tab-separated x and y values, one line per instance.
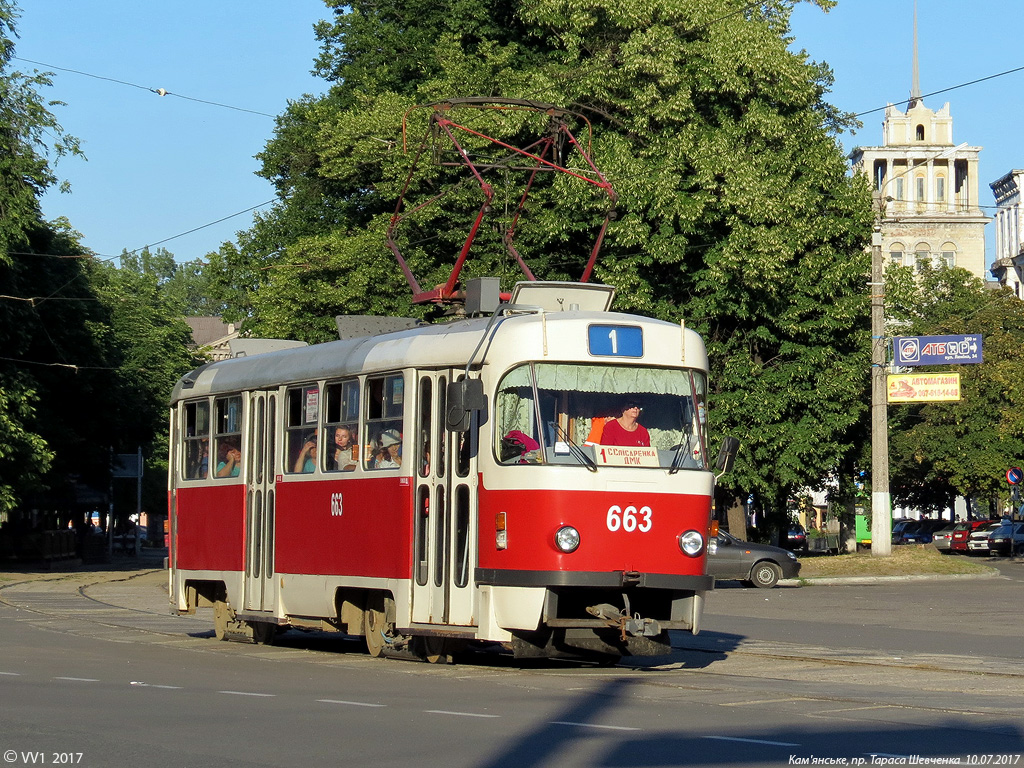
977	543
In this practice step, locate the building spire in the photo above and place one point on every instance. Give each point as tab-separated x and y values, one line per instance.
915	85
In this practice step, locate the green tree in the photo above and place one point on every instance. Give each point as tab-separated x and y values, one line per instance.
735	209
40	284
942	450
89	352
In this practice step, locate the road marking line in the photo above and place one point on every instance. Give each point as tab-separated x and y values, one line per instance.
595	725
79	679
753	741
154	685
351	703
459	714
247	693
765	701
11	674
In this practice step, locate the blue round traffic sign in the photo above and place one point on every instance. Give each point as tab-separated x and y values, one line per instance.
1014	475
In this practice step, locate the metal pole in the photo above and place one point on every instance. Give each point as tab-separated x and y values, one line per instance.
881	514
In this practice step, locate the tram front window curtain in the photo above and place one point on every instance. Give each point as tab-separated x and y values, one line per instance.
601	379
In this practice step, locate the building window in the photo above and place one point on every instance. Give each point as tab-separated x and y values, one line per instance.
896	258
922	259
920	133
947	255
919	190
899	189
940	188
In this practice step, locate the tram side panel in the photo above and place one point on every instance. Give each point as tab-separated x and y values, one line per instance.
208	541
354	532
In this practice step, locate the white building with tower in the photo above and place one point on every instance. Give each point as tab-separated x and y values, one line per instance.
926	187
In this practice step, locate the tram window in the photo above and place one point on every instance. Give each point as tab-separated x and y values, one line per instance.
423	429
228	436
341	419
383	436
442	433
462	521
197	440
558	413
302	415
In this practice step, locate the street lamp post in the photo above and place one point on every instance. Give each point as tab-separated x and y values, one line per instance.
881	516
881	505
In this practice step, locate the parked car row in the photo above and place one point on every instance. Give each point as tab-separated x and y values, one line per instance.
998	537
916	531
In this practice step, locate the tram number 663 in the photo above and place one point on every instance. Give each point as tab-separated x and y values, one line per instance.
629	519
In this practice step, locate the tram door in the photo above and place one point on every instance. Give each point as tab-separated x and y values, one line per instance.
259	502
444	552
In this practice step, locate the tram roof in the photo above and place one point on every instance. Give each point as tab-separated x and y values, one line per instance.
442	345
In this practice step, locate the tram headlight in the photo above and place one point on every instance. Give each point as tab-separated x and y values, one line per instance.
567	538
691	543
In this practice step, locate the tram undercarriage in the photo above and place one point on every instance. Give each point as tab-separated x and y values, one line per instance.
587	624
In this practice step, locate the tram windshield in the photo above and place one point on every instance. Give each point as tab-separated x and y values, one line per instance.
602	415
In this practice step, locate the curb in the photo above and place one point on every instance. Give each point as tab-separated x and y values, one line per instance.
813	581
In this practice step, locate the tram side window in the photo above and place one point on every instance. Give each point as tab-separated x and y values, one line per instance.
385	400
303	413
228	437
341	424
197	440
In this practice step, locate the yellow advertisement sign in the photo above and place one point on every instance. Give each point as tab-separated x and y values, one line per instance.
923	387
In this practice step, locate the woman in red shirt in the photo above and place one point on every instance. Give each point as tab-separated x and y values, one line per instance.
626	430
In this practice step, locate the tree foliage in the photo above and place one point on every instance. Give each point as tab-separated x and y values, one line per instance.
89	352
735	209
942	450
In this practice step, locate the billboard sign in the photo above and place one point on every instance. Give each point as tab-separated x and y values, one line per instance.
923	387
912	351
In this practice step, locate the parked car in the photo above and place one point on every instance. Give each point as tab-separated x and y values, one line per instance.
1007	539
898	528
977	542
941	539
921	533
796	538
759	565
958	541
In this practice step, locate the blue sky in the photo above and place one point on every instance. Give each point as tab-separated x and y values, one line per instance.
161	166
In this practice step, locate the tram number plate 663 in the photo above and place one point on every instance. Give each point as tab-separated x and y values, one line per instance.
629	519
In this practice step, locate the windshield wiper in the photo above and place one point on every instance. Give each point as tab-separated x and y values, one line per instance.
681	450
574	448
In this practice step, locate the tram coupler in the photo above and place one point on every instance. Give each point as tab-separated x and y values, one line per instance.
628	626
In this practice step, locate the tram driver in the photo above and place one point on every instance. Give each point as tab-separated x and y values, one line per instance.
626	429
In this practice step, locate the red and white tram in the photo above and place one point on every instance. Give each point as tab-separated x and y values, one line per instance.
447	484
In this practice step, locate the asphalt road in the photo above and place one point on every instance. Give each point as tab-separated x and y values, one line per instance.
94	672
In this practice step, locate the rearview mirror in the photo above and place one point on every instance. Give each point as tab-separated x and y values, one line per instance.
462	399
727	454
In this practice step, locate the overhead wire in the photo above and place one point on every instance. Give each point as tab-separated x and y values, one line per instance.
157	91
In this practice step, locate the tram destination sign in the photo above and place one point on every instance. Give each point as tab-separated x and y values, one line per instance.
911	351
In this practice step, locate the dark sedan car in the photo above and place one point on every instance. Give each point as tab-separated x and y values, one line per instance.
759	565
796	538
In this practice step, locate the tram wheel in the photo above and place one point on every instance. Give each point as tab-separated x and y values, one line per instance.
374	622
